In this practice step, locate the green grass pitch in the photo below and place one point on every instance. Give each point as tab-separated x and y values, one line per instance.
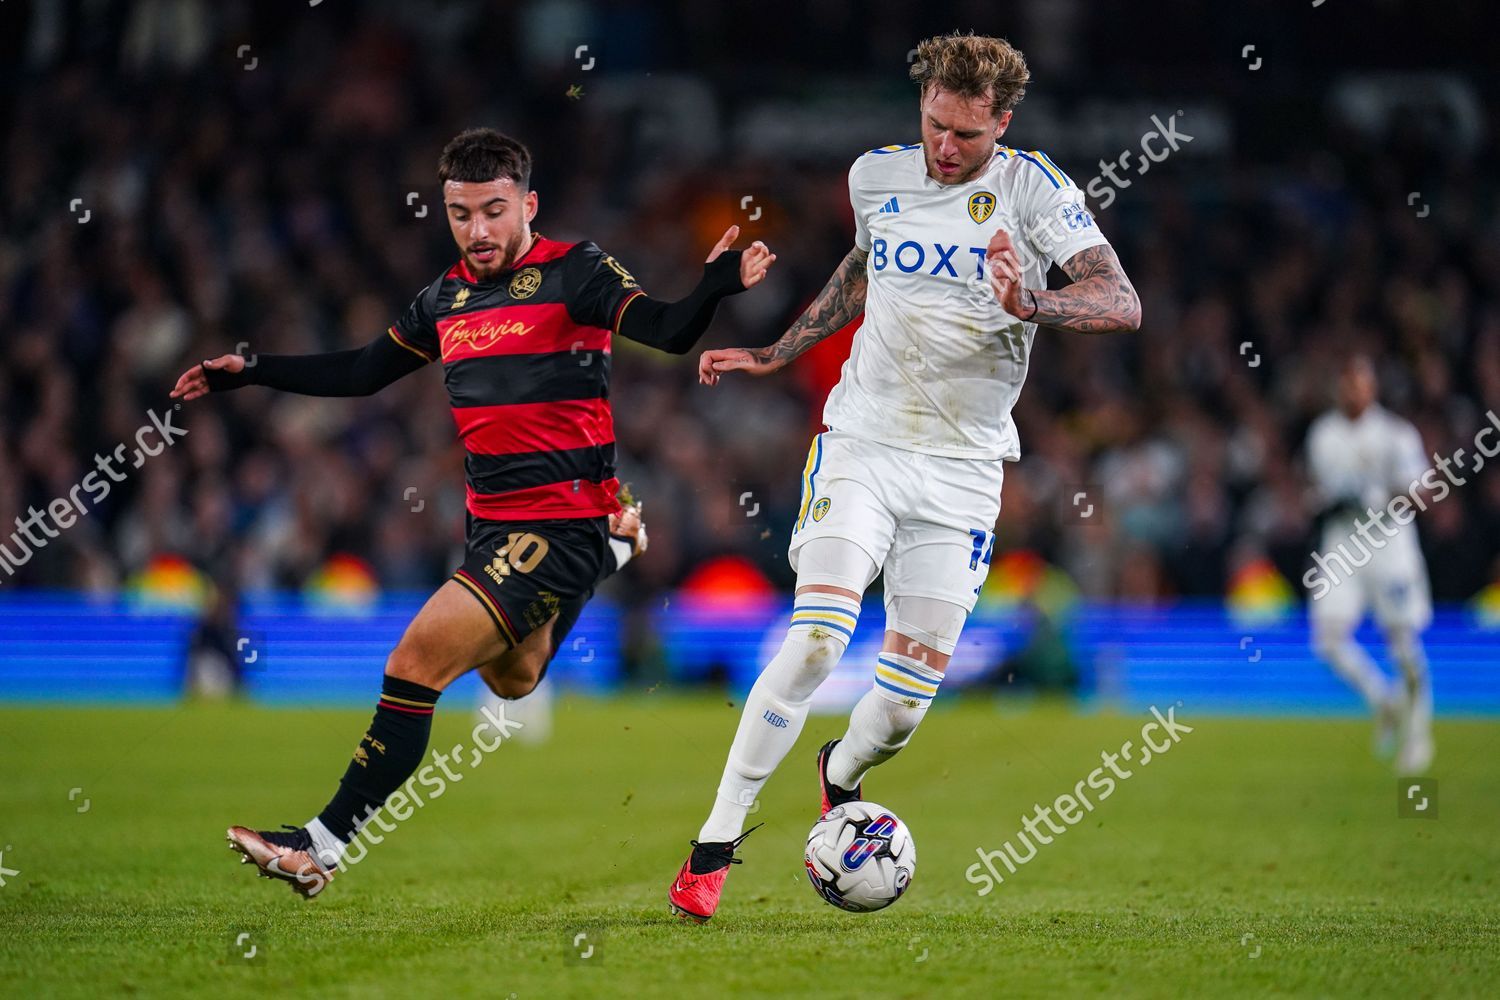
1255	857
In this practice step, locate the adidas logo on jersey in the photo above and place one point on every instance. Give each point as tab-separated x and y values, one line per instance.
890	206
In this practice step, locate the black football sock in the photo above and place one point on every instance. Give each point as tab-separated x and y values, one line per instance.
388	754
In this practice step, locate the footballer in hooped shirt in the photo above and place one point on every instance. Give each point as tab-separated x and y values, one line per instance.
953	239
521	326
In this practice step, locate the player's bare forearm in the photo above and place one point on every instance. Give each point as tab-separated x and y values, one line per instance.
840	301
1101	298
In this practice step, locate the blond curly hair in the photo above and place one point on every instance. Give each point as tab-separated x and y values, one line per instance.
972	66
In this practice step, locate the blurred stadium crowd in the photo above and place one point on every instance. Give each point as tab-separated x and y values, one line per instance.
271	205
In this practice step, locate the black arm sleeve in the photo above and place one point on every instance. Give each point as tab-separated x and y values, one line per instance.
675	327
360	372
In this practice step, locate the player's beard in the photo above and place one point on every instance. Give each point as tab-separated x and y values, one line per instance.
504	261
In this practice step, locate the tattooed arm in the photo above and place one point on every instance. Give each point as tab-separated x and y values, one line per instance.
842	299
1100	299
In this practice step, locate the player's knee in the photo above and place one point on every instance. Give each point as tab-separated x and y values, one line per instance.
518	677
808	655
513	686
510	685
410	661
489	674
817	649
821	627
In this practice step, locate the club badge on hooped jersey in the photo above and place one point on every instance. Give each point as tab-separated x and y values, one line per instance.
525	284
820	508
981	206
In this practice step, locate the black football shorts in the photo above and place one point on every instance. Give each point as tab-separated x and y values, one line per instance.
524	572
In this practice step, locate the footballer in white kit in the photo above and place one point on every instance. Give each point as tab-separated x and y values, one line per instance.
953	239
1361	457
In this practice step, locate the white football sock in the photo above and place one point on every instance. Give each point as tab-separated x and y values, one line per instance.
883	721
822	625
328	848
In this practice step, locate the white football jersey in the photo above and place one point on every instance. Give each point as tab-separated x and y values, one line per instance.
938	364
1372	459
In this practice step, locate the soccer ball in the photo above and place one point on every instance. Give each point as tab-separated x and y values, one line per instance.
860	857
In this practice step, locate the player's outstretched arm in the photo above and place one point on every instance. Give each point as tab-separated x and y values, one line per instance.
360	372
675	327
840	301
1101	298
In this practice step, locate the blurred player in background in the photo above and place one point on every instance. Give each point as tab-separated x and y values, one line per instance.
522	327
1361	456
953	239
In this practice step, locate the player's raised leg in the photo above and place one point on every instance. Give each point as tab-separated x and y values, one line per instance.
517	675
932	574
921	634
517	671
832	575
448	637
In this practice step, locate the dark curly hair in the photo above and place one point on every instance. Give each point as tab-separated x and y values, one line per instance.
478	155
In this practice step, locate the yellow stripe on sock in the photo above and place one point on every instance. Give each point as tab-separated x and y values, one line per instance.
835	616
904	680
407	701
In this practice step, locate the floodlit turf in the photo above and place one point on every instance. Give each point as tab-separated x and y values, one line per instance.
1253	857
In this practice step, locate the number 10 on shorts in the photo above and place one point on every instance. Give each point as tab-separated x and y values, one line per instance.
521	552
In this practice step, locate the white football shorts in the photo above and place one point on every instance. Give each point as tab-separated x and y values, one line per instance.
927	522
1393	584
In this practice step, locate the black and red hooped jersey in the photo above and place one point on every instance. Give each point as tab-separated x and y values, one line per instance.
526	361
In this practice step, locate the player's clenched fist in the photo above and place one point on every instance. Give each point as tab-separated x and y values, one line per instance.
1002	256
1004	265
194	382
